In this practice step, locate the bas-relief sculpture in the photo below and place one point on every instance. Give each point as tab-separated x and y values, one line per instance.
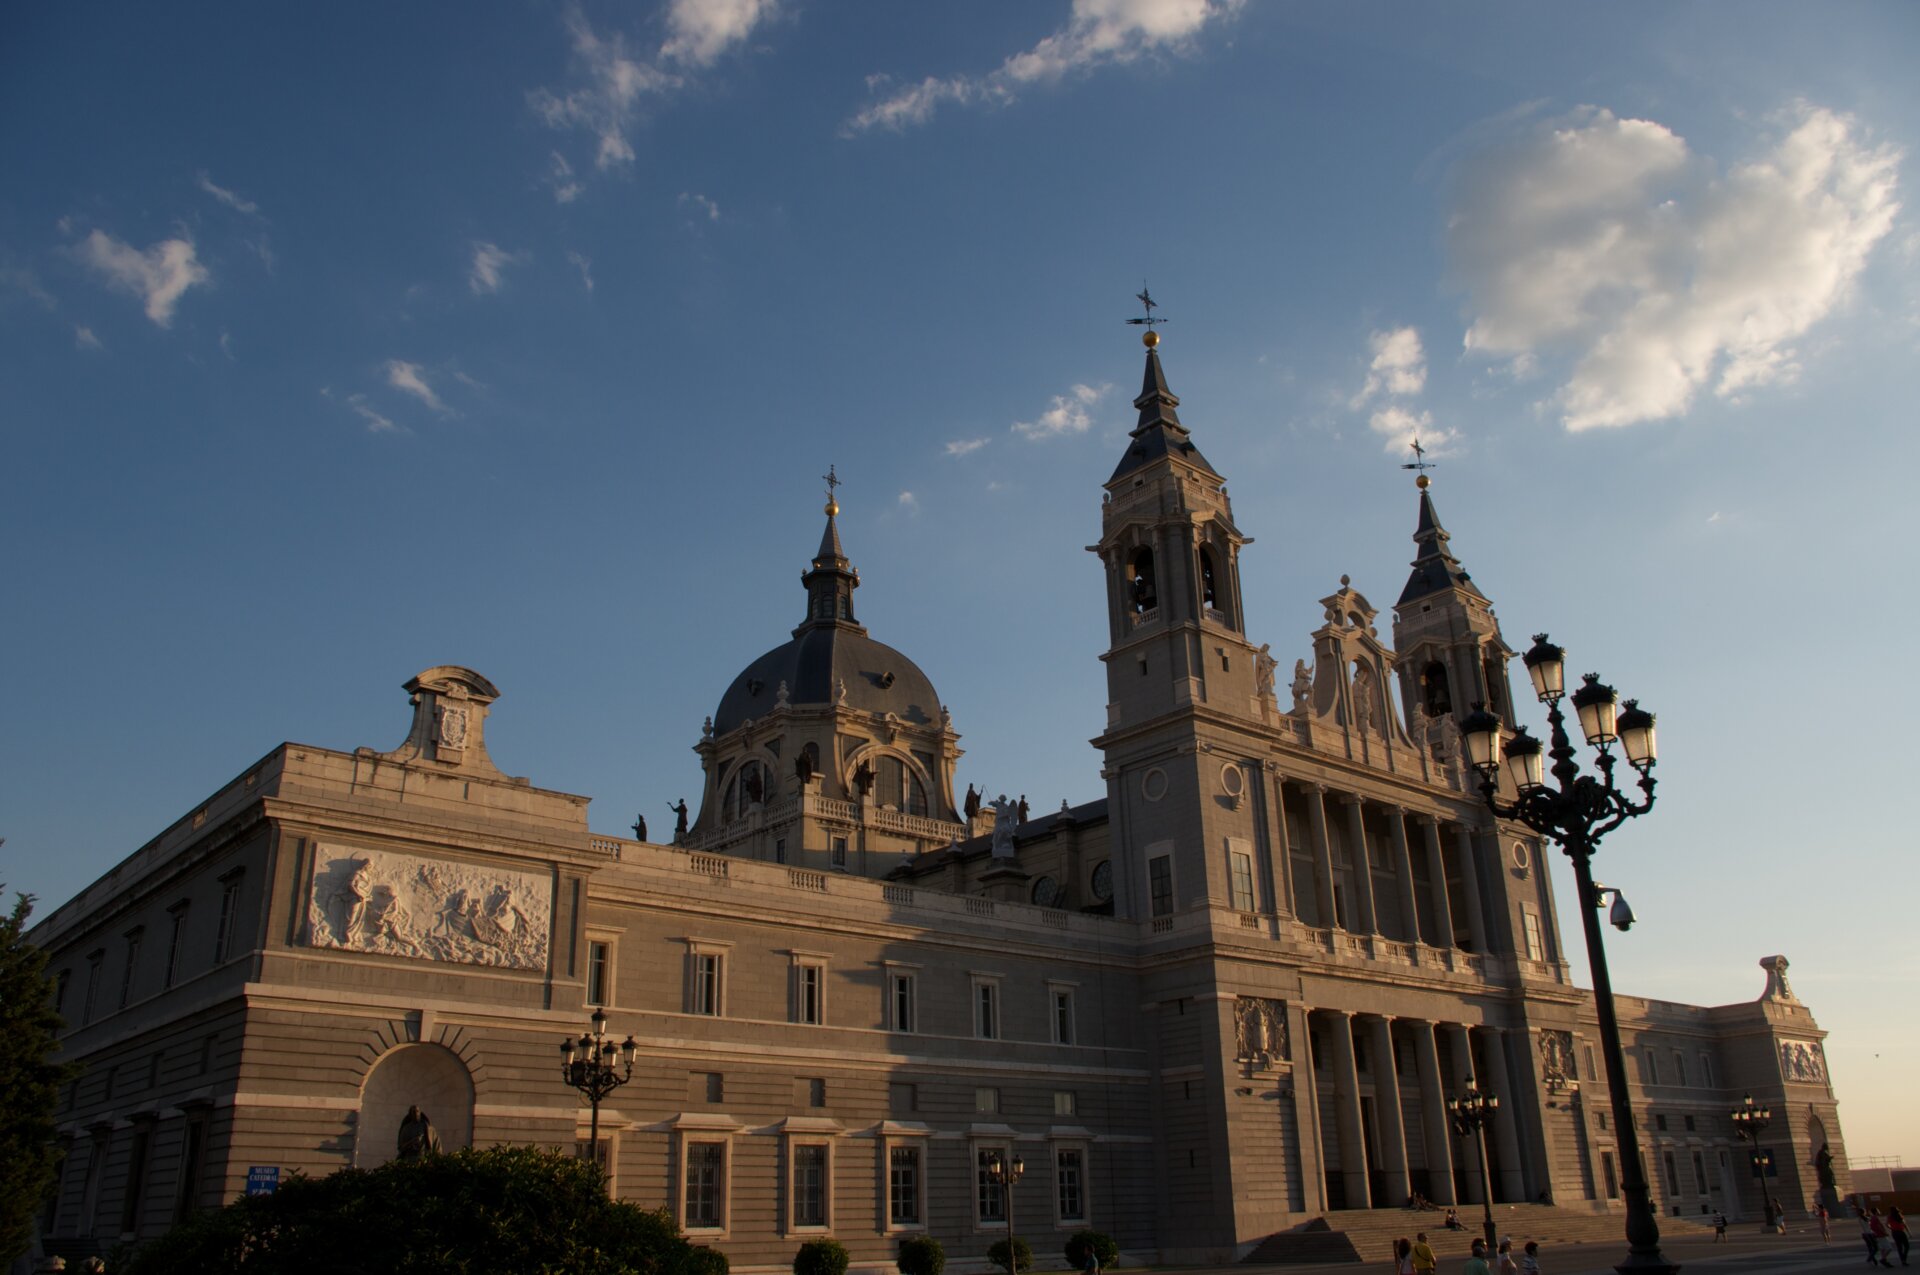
429	909
1803	1061
1260	1031
1556	1057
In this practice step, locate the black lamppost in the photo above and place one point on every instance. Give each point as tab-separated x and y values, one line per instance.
590	1065
1575	815
1470	1116
1749	1122
1003	1174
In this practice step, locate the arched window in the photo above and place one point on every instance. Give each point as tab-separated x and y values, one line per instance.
916	795
1435	694
751	785
1142	592
1496	685
1209	588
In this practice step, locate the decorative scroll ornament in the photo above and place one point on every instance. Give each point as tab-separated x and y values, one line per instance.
428	909
1260	1031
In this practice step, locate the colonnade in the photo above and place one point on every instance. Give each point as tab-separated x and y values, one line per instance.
1374	1168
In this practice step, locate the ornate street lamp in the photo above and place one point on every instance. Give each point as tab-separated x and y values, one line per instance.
1470	1116
1749	1122
1575	813
1003	1174
596	1067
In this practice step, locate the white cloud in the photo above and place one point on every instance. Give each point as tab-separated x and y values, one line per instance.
1607	242
489	259
1399	365
1066	414
159	276
585	266
966	446
700	204
605	97
84	339
1097	33
227	197
408	379
1400	426
560	177
909	502
701	30
376	423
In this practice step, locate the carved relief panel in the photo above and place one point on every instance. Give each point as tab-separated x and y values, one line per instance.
428	909
1260	1031
1803	1061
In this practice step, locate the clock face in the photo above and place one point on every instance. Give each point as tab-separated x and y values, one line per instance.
1047	893
1103	881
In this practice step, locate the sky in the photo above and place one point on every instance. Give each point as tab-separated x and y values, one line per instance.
341	341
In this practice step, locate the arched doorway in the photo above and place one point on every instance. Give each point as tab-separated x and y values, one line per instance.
431	1077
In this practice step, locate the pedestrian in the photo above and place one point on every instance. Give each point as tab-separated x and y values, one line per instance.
1825	1220
1424	1262
1092	1265
1506	1265
1897	1224
1882	1237
1719	1228
1477	1263
1530	1264
1403	1257
1777	1216
1866	1234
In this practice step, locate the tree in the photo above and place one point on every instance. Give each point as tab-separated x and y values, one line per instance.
501	1211
1022	1252
29	1081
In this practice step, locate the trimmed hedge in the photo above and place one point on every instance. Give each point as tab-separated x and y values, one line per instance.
921	1255
1022	1251
821	1257
1103	1245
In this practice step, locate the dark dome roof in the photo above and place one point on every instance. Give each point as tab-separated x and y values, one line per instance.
879	679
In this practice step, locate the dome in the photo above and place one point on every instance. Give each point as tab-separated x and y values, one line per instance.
878	678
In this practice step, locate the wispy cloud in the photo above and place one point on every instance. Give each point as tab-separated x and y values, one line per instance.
966	446
227	197
22	280
609	81
84	339
1400	426
160	276
489	260
1608	244
585	266
700	204
1399	365
1066	414
909	502
358	405
409	379
1098	33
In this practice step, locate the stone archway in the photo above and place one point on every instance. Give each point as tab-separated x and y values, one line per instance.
431	1077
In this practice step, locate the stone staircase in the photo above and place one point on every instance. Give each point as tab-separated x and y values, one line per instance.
1367	1235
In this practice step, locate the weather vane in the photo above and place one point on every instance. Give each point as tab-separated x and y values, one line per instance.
832	480
1420	464
1146	299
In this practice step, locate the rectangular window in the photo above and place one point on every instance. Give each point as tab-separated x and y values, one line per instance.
839	856
1068	1171
1699	1174
809	985
706	983
1706	1070
1587	1052
1064	1103
189	1188
1690	1128
223	934
1660	1123
177	933
1673	1174
601	1153
93	985
1536	943
1651	1062
1160	884
1062	1016
1611	1180
136	1182
986	1099
1679	1068
902	1002
986	1010
599	973
903	1186
134	936
60	982
779	849
817	1091
809	1185
1242	882
990	1204
903	1097
706	1167
712	1086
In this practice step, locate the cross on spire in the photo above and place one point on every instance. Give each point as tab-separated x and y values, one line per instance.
831	479
1420	464
1146	299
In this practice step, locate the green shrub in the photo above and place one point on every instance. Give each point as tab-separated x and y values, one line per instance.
821	1257
921	1255
1101	1243
502	1211
1022	1251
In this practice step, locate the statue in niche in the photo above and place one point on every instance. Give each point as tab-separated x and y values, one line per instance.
971	807
1302	684
1005	814
1362	698
1263	668
863	779
418	1137
803	767
756	789
679	809
1260	1030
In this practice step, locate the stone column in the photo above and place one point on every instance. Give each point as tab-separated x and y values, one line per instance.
1470	886
1403	868
1472	1187
1279	849
1387	1123
1365	921
1346	1097
1437	871
1433	1116
1322	855
1308	1135
1505	1131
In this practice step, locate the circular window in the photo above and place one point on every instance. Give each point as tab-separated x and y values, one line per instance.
1047	893
1522	857
1153	784
1233	780
1103	881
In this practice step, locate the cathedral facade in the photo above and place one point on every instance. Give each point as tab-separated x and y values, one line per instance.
1227	996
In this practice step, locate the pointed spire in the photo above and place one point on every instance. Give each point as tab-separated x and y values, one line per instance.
1159	432
1156	403
831	582
1434	566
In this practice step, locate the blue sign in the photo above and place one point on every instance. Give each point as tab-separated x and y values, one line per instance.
263	1179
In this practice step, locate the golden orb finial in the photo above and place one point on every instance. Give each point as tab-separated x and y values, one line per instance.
833	509
1149	338
1422	482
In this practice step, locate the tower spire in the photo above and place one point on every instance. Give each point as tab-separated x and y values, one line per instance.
1434	566
1158	432
831	581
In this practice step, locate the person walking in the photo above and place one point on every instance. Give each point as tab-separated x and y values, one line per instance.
1897	1227
1403	1257
1719	1228
1882	1237
1530	1264
1506	1265
1821	1216
1866	1234
1477	1262
1424	1262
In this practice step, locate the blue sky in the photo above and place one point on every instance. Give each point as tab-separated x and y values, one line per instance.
347	341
